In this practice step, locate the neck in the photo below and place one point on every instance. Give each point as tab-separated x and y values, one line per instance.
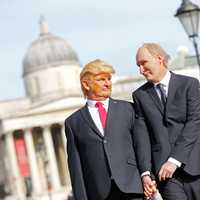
162	75
97	99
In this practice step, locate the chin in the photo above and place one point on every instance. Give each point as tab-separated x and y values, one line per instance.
108	92
149	78
107	95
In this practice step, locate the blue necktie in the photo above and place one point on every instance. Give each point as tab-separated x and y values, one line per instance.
163	96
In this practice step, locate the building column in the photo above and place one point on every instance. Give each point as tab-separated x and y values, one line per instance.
68	181
18	188
55	180
64	139
32	162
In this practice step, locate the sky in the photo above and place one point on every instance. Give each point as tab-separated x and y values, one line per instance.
107	29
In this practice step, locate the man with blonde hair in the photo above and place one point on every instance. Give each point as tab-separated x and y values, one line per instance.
167	110
100	144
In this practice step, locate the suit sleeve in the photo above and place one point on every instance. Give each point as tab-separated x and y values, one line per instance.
74	165
191	131
141	139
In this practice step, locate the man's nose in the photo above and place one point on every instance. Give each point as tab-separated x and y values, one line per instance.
108	82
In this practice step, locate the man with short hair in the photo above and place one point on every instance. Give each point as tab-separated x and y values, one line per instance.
100	141
167	122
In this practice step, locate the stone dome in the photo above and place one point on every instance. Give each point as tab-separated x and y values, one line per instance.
48	51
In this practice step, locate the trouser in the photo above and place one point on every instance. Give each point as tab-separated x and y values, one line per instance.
181	186
116	194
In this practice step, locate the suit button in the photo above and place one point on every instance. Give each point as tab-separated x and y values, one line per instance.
104	141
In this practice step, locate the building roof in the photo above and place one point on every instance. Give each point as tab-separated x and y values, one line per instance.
183	60
48	51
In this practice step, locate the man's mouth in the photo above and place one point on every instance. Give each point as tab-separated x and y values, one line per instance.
106	88
146	73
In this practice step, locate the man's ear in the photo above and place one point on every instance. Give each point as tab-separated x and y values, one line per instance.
161	59
85	85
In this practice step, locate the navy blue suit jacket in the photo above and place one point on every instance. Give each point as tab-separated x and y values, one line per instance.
173	131
94	159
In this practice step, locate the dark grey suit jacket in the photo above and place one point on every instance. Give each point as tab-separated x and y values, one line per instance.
173	131
94	159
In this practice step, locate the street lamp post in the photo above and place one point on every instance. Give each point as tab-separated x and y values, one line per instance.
188	14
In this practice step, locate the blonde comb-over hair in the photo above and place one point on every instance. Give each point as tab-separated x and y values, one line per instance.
93	68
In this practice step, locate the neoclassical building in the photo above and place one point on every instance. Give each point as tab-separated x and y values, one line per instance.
32	138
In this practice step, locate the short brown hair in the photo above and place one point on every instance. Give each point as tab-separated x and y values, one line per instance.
155	50
94	68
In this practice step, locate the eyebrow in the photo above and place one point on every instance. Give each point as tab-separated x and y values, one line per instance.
140	62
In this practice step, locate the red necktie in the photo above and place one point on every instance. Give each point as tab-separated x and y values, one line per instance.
102	113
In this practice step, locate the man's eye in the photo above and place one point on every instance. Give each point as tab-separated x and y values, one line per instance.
101	79
141	63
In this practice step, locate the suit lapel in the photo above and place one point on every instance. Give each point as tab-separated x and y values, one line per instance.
152	92
173	84
111	115
87	117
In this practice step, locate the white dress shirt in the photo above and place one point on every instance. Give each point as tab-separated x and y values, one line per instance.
95	113
165	84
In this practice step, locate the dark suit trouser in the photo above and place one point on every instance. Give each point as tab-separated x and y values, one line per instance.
181	187
116	194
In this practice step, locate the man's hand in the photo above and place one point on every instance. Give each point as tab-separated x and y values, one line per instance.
149	187
167	170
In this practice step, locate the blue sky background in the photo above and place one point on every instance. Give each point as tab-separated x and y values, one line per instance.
107	29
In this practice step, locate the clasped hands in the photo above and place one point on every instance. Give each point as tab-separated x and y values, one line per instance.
149	187
166	171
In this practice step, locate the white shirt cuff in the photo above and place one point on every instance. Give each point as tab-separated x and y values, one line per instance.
174	161
146	173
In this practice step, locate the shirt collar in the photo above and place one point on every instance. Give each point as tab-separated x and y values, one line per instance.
91	103
165	80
